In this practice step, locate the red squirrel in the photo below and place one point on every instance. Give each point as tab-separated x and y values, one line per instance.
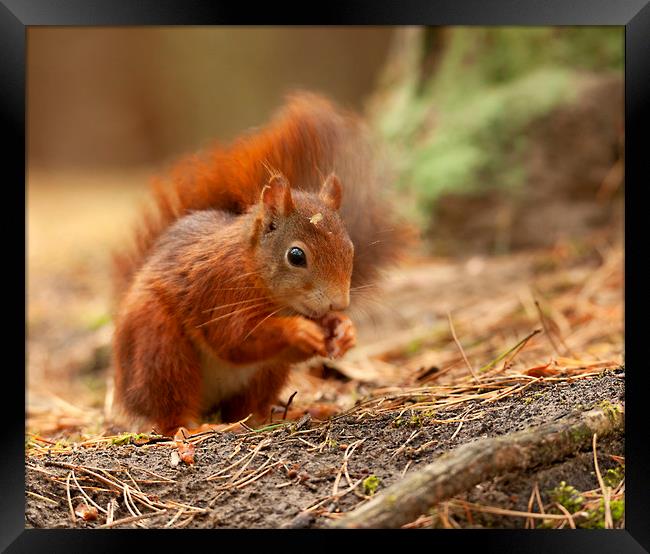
245	267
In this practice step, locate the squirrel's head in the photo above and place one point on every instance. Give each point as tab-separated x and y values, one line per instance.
302	247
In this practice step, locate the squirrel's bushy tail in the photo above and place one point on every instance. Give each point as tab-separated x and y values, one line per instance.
308	139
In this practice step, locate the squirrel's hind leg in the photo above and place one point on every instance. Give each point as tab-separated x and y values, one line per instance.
158	375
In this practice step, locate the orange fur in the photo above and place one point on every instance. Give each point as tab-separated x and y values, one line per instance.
208	302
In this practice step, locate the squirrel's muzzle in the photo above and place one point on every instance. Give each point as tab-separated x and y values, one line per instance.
340	302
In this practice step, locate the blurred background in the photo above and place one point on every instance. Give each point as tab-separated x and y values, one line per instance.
502	140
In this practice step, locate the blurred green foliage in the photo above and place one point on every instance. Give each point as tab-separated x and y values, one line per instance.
456	113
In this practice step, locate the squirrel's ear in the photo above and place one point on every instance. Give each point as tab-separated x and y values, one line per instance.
276	196
331	192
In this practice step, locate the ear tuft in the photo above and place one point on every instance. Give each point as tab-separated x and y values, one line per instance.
276	196
331	193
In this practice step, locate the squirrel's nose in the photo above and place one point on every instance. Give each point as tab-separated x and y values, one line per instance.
340	302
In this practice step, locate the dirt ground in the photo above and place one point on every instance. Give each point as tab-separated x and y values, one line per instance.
297	470
542	329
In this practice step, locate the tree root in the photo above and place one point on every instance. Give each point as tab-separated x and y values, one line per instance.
481	460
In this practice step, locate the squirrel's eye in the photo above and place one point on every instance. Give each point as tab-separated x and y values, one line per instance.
296	257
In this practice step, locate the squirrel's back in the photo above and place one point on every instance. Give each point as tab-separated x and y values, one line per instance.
308	139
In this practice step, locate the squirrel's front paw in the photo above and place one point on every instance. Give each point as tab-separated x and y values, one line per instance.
341	334
309	338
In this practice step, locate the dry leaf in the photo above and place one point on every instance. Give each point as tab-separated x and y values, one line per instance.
85	512
186	452
323	410
542	371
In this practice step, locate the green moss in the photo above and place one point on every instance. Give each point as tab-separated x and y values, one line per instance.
130	438
370	484
613	477
532	397
595	519
415	420
610	409
617	507
580	434
574	502
567	496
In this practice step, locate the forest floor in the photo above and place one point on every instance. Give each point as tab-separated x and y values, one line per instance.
450	351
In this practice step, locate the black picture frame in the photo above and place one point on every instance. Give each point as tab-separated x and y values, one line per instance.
17	15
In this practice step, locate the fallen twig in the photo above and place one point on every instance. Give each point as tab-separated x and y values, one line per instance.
131	519
460	347
606	490
479	461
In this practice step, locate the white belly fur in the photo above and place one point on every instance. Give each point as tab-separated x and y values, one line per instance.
222	379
